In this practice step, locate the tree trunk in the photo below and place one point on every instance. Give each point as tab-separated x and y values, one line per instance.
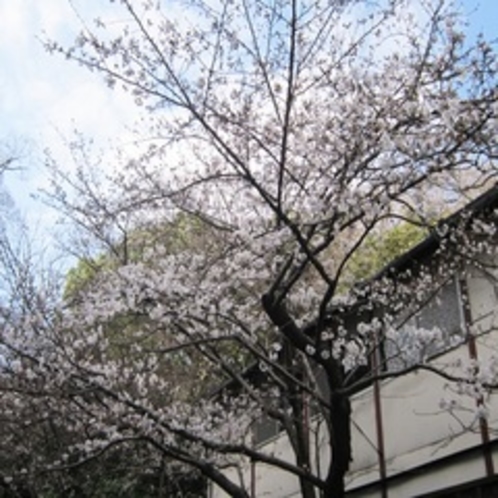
340	445
307	488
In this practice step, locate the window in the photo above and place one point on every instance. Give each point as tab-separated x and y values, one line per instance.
264	429
437	326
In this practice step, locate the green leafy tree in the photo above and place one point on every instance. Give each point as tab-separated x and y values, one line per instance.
381	248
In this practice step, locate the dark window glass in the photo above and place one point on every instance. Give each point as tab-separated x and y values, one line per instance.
441	313
265	429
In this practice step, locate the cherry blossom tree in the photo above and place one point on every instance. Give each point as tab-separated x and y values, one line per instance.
291	132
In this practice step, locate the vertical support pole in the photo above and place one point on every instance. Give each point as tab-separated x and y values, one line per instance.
253	469
253	479
472	349
378	420
306	424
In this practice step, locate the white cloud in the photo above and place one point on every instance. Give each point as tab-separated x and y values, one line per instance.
14	17
54	16
43	97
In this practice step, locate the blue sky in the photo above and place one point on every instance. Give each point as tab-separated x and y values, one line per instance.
43	98
483	17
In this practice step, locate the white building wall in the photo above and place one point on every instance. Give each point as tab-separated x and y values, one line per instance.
364	467
417	432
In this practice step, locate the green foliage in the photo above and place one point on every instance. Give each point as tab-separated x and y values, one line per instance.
122	474
85	271
184	232
113	477
380	248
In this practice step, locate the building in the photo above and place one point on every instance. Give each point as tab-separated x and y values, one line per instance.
414	435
